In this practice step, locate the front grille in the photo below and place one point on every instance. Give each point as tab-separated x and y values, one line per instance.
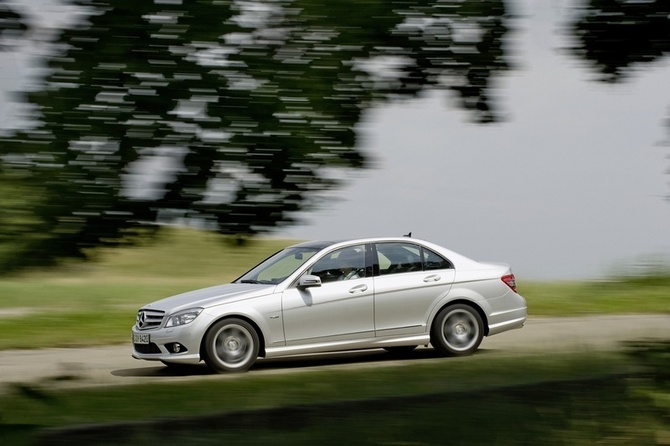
147	349
149	319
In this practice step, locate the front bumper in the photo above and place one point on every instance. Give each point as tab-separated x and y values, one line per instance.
179	345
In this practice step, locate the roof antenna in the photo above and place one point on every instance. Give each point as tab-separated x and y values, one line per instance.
408	235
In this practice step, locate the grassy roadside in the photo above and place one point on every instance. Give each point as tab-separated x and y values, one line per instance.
628	295
258	390
574	398
96	303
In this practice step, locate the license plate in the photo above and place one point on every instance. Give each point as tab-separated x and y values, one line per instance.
141	338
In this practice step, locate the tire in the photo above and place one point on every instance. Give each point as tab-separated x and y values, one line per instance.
401	350
457	330
231	345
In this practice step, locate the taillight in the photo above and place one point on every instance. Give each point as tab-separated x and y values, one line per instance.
510	281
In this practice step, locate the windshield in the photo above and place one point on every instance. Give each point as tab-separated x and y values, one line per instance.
278	267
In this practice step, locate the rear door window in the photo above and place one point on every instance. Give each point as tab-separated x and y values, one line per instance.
397	258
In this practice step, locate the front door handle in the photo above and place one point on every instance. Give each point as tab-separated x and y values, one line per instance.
432	278
359	289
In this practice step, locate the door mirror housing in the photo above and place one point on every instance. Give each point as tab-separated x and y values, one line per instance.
309	281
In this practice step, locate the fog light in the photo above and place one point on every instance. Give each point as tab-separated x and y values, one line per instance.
175	347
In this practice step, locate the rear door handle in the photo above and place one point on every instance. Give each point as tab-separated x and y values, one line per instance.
359	289
432	278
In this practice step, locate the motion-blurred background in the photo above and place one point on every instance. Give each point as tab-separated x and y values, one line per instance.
531	132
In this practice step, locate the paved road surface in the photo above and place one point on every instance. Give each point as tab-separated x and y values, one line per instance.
113	365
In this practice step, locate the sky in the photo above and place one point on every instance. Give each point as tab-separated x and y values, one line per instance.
572	184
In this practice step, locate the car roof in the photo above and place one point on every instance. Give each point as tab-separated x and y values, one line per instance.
321	244
318	244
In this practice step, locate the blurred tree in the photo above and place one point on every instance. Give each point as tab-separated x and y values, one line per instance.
617	36
228	114
12	24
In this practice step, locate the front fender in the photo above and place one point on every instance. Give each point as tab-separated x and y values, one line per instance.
264	312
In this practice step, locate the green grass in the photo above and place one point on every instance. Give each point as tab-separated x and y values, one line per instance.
475	400
176	256
263	390
95	303
590	298
565	414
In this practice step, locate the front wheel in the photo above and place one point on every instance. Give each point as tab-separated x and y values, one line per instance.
231	345
457	330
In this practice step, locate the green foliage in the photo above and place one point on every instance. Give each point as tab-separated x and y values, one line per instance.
656	356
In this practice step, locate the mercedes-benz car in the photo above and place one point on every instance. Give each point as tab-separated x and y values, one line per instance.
394	293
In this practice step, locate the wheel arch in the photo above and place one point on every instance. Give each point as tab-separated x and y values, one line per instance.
259	332
469	303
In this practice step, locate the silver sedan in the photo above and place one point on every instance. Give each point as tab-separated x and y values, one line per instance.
392	293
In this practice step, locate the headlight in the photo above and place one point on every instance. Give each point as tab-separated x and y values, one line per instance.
183	317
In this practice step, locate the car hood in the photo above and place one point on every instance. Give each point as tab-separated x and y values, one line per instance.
209	297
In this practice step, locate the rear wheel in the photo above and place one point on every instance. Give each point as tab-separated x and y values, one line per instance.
457	330
231	345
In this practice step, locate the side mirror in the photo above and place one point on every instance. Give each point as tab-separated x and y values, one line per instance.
308	281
